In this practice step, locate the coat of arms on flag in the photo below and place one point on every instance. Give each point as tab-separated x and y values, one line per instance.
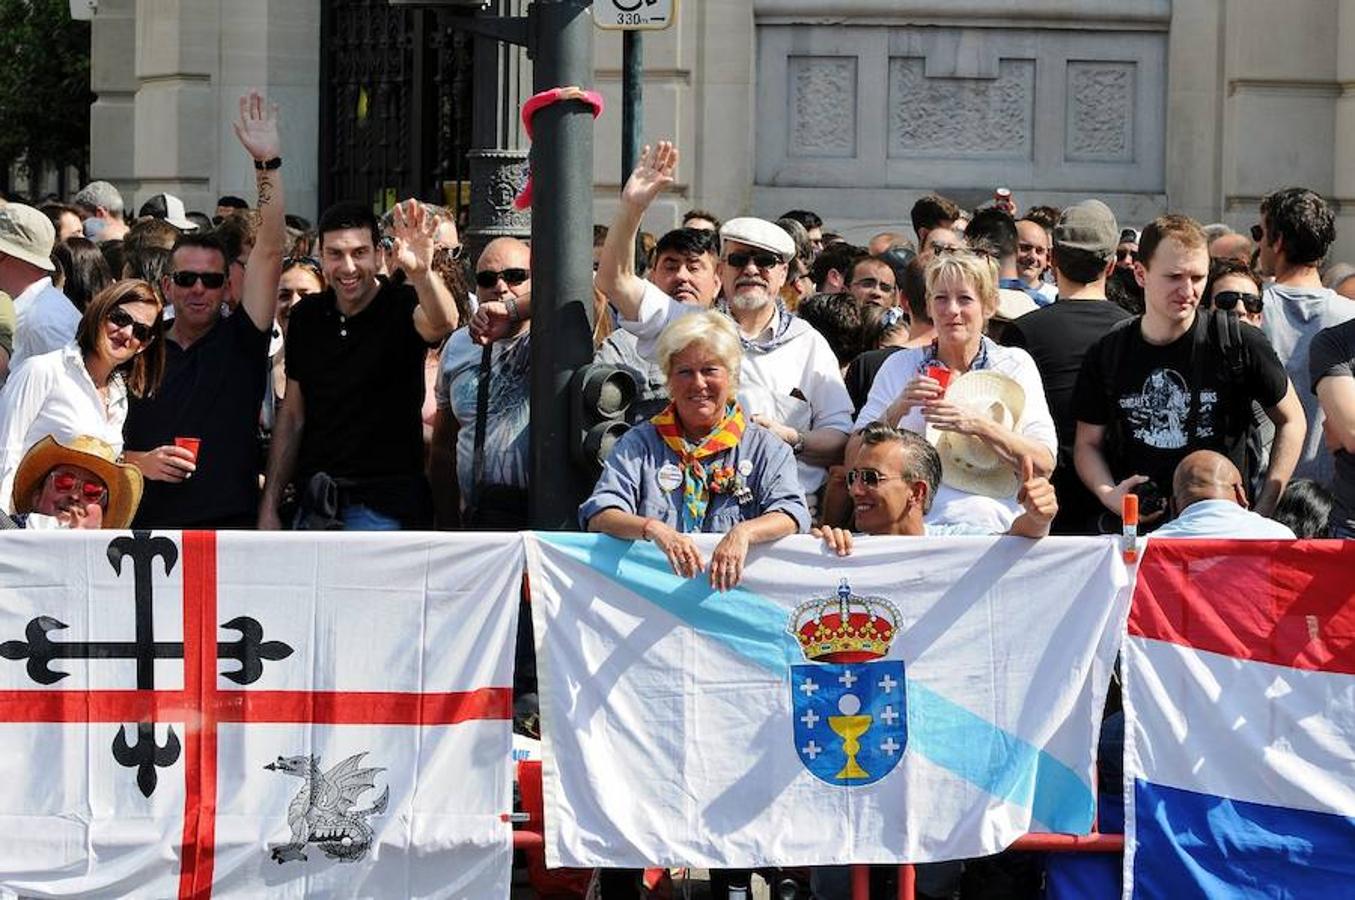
850	708
239	714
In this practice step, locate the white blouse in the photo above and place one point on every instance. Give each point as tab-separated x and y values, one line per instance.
52	394
952	506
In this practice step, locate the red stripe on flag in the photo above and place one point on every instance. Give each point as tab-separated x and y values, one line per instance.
95	706
199	674
366	708
1281	602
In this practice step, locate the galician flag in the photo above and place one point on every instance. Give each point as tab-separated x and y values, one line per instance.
919	700
253	715
1239	695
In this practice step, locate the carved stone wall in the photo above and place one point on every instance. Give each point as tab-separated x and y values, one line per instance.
857	117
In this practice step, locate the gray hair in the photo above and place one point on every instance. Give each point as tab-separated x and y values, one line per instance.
713	330
921	462
100	193
1216	230
1337	273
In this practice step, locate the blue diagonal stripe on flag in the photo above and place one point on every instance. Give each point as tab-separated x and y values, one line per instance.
754	627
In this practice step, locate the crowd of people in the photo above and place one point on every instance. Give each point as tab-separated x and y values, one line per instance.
977	372
260	372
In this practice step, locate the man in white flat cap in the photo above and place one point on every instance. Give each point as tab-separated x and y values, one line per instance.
44	319
790	381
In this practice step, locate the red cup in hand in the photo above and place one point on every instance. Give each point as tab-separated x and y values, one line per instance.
940	374
190	444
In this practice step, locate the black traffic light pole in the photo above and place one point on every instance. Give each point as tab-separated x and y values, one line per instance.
558	35
562	254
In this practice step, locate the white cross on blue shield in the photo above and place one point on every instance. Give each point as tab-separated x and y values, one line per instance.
851	720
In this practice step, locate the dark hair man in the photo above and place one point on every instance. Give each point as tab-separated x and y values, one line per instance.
993	231
1172	381
932	211
350	421
228	205
1296	229
832	268
893	480
813	226
872	280
215	367
1058	337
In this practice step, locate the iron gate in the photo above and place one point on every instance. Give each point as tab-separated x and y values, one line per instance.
395	106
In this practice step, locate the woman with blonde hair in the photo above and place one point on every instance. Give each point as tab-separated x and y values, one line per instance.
983	405
700	465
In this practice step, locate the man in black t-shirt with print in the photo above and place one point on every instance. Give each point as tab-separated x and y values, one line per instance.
1161	385
355	378
1058	337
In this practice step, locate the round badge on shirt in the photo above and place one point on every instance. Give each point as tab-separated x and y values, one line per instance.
670	476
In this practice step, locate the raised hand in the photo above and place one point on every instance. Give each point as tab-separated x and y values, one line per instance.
413	231
1036	495
257	127
652	176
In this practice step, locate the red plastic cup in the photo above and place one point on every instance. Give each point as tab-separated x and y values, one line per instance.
940	374
190	444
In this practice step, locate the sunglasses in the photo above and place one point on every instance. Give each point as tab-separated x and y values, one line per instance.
302	262
122	319
511	277
871	478
1257	233
90	491
1228	300
763	260
210	280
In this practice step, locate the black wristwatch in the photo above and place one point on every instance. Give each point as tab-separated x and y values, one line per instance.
268	165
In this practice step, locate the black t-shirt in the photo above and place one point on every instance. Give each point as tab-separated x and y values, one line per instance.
1332	355
860	375
1160	403
362	383
213	390
1058	337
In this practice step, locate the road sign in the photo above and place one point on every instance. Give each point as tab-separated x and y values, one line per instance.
634	15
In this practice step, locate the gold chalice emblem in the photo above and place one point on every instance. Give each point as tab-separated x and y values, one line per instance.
850	727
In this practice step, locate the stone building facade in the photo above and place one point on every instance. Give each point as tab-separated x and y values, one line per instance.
849	107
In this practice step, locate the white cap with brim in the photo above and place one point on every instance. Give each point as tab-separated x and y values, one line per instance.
967	463
171	209
27	234
758	233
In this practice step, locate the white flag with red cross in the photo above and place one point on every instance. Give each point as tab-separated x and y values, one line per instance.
242	714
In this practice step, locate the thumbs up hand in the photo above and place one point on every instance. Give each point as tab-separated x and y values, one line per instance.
1036	495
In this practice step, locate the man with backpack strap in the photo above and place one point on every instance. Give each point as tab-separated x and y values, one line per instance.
1176	380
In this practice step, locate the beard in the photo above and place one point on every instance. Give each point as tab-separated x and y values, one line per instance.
750	300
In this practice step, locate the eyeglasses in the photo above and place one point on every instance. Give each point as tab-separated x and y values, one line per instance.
210	280
870	284
123	319
1257	233
90	491
1227	300
512	277
739	259
871	478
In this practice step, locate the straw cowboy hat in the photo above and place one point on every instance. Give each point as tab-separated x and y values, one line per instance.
123	481
967	463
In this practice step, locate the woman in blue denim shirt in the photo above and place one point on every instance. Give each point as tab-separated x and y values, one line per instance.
700	465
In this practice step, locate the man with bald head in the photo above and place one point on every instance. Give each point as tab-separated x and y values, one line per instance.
487	488
1232	246
1210	501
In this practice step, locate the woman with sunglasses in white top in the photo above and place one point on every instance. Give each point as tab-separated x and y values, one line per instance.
82	388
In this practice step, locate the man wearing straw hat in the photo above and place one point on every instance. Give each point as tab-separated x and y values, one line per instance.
75	485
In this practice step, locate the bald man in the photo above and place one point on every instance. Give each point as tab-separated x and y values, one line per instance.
1210	502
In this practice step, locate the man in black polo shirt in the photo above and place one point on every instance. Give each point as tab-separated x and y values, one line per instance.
350	429
215	367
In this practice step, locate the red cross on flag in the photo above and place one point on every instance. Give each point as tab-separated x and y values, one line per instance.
242	714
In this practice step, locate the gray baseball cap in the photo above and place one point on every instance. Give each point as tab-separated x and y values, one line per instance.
27	234
1089	226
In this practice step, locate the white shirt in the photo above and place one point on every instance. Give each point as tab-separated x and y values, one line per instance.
1222	519
44	320
53	394
798	382
952	506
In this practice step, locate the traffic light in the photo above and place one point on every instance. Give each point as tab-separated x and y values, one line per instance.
599	395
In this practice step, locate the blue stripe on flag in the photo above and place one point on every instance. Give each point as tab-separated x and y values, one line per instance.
754	627
1189	845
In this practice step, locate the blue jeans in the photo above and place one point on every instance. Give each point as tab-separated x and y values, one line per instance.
357	517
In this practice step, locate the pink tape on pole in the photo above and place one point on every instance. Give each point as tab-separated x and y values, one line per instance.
529	111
